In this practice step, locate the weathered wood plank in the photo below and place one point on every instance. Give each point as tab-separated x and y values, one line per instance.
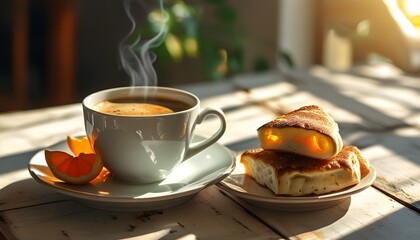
209	215
396	156
366	215
382	122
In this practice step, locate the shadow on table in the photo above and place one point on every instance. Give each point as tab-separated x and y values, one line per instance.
317	219
51	214
397	225
285	222
393	224
16	162
25	193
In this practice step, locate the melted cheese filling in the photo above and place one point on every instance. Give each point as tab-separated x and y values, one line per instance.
301	141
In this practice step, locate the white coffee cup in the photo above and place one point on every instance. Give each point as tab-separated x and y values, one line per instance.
146	148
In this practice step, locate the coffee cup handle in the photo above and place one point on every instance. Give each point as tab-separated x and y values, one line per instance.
200	146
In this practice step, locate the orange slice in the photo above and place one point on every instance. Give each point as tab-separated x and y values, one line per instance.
74	170
79	145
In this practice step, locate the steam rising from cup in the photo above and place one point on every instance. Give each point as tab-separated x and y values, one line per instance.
135	57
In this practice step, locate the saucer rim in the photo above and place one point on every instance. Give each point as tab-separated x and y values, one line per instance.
246	195
83	195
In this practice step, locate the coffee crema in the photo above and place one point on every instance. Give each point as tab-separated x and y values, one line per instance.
131	106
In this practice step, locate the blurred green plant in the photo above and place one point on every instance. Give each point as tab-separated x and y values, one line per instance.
204	29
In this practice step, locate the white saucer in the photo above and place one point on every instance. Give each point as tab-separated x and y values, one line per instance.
202	170
245	188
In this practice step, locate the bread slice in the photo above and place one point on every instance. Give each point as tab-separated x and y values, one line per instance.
296	175
307	131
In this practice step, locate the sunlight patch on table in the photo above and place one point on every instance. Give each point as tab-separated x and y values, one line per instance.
241	123
163	234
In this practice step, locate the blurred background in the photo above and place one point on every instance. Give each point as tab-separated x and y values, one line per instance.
57	52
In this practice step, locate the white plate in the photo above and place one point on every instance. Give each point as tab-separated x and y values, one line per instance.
245	188
202	170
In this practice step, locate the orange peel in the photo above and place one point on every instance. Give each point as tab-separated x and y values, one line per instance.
74	170
79	145
79	169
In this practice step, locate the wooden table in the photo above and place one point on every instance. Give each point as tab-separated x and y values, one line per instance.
381	115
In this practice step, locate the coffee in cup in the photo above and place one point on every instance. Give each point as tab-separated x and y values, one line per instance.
142	133
132	106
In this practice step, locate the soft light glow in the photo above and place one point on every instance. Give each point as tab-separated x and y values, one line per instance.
156	18
173	44
191	47
223	68
273	138
180	11
363	28
412	7
159	234
240	168
385	70
411	10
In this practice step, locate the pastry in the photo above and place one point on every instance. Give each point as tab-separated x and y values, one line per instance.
307	131
291	174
